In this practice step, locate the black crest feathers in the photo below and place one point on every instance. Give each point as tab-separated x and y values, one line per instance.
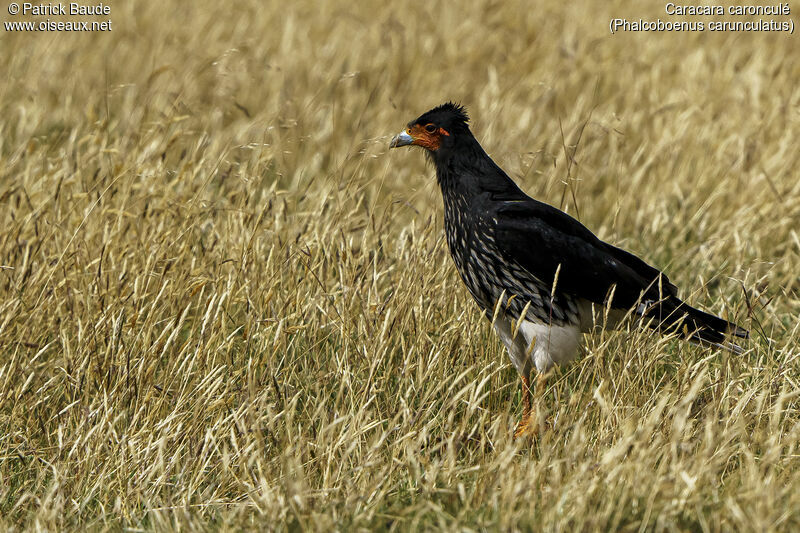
451	116
458	111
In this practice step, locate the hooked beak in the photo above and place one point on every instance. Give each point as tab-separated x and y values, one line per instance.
401	139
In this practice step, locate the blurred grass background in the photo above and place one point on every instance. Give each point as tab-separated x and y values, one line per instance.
225	305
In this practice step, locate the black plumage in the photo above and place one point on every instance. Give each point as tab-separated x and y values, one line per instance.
535	258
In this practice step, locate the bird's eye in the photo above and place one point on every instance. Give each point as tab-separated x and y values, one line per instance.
430	128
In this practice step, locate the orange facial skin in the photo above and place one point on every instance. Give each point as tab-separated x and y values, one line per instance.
428	140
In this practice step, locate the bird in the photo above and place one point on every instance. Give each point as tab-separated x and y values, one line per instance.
537	273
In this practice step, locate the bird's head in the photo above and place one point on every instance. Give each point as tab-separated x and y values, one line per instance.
461	163
436	130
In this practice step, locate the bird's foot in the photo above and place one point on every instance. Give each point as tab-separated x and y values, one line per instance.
527	426
532	426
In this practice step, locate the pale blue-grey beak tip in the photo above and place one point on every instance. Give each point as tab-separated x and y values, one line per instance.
401	139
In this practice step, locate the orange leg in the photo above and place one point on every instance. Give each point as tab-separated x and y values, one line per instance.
528	423
522	425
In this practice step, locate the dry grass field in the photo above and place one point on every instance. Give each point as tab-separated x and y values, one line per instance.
225	304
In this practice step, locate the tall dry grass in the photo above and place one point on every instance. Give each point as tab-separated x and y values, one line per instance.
225	305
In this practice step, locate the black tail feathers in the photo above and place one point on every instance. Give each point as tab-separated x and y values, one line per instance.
673	315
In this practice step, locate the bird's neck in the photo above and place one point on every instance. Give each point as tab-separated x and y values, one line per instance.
466	170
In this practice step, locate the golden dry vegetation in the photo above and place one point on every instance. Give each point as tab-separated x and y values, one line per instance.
225	304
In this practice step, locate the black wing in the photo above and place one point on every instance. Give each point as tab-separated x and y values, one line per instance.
539	238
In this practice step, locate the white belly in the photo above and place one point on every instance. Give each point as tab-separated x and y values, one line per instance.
538	345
